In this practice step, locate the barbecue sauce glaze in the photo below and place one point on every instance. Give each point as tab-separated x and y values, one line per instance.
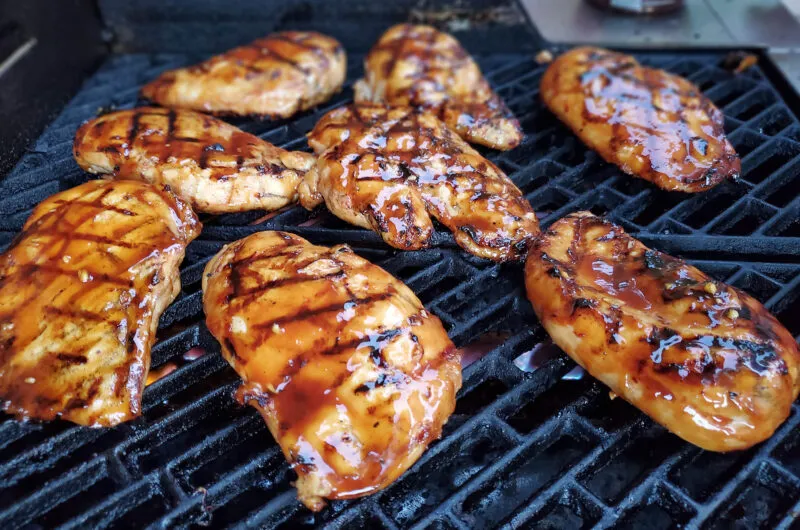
81	291
652	124
352	375
703	358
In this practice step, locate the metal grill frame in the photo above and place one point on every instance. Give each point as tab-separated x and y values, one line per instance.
522	447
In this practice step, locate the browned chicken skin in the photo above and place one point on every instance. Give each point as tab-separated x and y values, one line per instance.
652	124
352	375
422	67
213	165
81	292
391	170
702	358
275	76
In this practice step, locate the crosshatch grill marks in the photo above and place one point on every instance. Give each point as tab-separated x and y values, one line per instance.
327	354
415	169
79	321
427	69
636	118
275	76
224	170
231	458
265	48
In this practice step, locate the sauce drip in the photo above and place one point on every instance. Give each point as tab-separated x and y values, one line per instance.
416	169
74	278
350	372
615	279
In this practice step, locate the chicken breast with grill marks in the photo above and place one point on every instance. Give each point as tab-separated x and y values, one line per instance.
391	170
702	358
81	291
652	124
352	375
422	67
209	163
276	76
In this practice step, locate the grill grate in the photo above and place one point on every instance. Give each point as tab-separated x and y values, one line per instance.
521	446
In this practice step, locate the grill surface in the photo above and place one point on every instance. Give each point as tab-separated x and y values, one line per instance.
523	448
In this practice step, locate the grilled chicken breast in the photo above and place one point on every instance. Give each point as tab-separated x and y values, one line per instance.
391	170
422	67
81	292
353	377
652	124
702	358
275	76
211	164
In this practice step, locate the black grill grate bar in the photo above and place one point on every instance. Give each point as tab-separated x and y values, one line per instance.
560	174
226	488
783	295
725	493
55	492
548	432
637	495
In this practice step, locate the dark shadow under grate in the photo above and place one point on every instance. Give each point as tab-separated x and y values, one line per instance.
523	448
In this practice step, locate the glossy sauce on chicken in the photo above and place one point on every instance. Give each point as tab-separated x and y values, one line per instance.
213	165
652	124
700	357
352	375
391	170
81	291
275	76
422	67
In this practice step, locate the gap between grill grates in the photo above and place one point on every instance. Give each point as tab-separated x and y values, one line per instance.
521	447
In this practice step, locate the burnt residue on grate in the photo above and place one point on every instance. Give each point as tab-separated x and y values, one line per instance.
523	446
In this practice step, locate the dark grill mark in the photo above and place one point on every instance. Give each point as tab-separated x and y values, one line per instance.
171	116
305	313
581	303
70	358
134	130
76	313
380	381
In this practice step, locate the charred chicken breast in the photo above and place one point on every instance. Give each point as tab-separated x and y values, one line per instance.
422	67
211	164
392	169
275	76
702	358
352	375
81	292
652	124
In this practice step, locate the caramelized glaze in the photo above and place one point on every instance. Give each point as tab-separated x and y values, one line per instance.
275	76
81	291
700	357
422	67
353	377
213	165
391	170
652	124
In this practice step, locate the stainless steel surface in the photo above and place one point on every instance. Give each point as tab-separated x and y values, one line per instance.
712	23
702	23
758	22
788	62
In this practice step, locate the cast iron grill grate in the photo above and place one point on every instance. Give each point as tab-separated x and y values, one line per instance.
523	448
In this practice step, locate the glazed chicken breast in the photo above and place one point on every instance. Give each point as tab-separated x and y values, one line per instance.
391	170
702	358
276	76
81	291
352	375
214	166
652	124
422	67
